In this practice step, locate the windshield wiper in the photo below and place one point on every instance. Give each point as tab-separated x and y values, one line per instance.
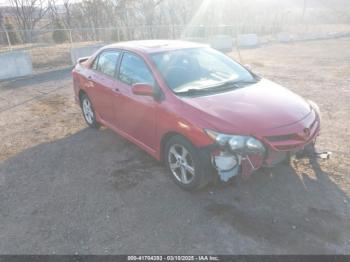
194	91
223	86
234	83
244	82
191	91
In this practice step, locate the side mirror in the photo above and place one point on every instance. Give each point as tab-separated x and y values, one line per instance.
82	59
142	89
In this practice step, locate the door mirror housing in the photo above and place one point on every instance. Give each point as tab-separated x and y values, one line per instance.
82	59
142	89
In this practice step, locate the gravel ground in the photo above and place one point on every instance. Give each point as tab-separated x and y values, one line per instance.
67	189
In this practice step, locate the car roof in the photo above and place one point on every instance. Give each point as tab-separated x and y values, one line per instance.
155	46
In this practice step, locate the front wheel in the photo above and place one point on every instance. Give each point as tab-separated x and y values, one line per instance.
88	112
184	164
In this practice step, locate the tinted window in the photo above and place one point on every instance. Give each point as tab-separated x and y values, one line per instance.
107	62
134	70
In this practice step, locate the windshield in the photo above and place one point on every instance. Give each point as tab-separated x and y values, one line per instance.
200	69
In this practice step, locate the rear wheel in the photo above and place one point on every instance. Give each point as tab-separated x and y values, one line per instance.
88	112
184	164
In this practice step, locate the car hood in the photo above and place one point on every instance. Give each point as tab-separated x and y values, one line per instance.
248	110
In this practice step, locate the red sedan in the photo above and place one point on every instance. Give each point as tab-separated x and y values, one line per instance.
203	114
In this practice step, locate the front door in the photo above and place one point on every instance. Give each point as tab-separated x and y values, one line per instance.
135	114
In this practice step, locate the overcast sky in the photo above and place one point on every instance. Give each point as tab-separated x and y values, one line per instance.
6	2
309	3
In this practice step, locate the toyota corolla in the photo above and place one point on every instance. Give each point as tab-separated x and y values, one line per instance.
200	112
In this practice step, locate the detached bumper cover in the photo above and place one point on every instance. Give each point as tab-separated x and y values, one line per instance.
280	143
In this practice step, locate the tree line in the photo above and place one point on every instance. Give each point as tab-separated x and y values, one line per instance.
21	18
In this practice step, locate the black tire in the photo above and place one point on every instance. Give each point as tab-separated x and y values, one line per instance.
91	122
201	175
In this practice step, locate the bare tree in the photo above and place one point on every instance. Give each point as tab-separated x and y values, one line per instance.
28	13
61	12
147	10
68	15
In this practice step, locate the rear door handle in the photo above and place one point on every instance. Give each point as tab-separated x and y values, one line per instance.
116	90
89	77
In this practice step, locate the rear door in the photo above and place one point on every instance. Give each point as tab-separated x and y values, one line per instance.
135	114
103	84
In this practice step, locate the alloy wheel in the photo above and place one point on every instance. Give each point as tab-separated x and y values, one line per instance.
181	164
87	110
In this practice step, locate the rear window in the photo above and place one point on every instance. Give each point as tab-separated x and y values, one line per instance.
106	62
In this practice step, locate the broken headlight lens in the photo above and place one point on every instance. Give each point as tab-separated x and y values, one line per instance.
240	144
255	146
220	139
237	143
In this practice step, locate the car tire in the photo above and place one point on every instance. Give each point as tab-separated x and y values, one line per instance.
88	112
185	164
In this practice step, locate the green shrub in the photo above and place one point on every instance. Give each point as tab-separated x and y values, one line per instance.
59	35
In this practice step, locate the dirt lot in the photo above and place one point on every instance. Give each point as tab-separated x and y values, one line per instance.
68	189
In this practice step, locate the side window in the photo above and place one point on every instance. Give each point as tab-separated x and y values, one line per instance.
107	62
134	70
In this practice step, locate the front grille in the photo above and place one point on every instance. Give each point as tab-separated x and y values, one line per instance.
287	147
287	142
294	136
280	138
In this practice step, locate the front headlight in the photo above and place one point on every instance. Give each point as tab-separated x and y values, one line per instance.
255	146
220	139
237	143
315	107
240	144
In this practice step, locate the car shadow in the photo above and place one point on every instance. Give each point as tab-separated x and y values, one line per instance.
299	208
294	209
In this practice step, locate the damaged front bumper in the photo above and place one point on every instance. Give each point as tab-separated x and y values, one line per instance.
230	163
